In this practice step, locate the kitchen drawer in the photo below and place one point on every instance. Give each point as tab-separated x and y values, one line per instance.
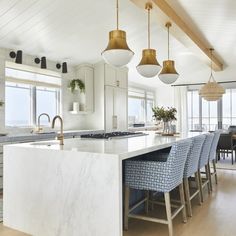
1	149
1	171
1	158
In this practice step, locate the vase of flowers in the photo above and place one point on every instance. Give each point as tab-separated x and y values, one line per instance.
165	115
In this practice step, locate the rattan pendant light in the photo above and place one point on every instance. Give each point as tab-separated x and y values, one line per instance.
117	52
148	66
211	91
168	73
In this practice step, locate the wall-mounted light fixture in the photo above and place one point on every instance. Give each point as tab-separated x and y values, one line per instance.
43	61
17	55
63	66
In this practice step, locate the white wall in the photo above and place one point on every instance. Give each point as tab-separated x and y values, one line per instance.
165	96
70	121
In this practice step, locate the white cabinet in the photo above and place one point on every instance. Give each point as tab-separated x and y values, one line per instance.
86	74
117	77
115	109
111	89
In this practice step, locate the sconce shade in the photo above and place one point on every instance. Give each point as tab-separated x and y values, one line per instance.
43	63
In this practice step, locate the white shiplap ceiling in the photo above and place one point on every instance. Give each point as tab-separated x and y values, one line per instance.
77	31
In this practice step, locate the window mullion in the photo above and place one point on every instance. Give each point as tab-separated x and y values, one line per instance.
33	106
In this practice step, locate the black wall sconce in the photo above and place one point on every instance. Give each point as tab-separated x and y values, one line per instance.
17	55
63	66
43	61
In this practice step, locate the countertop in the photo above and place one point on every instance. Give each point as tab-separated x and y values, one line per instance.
30	137
123	147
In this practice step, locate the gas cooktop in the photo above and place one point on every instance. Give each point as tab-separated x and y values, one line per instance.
112	135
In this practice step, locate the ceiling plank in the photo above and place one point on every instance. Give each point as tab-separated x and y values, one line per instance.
194	41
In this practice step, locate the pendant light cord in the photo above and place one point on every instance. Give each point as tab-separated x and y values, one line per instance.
149	41
117	14
168	27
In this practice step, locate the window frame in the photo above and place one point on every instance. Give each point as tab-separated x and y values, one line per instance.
33	103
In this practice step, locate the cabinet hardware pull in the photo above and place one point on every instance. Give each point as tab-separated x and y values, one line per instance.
117	83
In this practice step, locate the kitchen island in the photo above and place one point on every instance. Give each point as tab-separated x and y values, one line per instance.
71	190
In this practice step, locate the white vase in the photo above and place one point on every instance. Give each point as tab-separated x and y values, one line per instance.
82	101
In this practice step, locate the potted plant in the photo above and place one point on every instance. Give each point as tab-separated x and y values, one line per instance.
166	115
76	84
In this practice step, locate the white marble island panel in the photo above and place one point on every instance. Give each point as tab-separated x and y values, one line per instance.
70	190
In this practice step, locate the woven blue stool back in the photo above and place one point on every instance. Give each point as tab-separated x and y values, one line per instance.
191	165
214	145
204	157
158	176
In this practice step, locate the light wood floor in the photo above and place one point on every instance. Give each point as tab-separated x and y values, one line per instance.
216	217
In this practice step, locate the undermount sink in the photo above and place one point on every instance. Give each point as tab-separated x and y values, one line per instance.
45	143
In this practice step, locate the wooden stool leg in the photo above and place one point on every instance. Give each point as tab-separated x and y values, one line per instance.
187	197
147	202
182	200
209	175
208	178
126	213
200	183
215	173
168	213
198	187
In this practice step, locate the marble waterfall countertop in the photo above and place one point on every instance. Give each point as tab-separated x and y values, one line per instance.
30	137
122	146
71	190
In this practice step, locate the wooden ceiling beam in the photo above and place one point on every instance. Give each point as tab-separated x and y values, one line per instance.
194	40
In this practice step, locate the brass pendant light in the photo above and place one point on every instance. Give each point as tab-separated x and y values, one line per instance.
117	52
168	74
211	91
148	66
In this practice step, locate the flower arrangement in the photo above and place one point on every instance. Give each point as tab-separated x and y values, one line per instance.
164	114
76	83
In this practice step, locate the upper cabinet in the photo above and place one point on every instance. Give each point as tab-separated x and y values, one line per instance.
86	74
117	77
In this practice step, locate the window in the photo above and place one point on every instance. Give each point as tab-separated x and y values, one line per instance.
140	104
29	94
229	108
202	115
193	110
206	116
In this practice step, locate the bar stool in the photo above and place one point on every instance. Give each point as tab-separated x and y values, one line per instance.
190	169
157	176
203	162
213	156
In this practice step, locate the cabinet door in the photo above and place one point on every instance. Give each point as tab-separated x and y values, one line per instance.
109	108
110	75
120	109
122	77
89	89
